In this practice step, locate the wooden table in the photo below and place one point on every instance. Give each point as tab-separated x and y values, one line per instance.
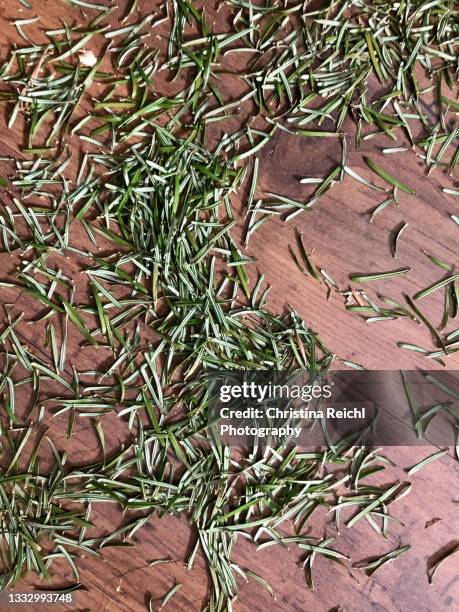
344	241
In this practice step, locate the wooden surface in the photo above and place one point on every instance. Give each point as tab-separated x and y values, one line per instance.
344	242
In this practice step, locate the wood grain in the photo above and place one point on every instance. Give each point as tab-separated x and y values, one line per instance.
344	242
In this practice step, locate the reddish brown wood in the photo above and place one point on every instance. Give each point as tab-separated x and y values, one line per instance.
343	242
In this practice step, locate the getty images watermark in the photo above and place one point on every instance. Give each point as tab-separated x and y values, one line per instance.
261	393
282	409
360	406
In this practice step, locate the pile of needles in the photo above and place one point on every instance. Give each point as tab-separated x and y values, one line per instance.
140	131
